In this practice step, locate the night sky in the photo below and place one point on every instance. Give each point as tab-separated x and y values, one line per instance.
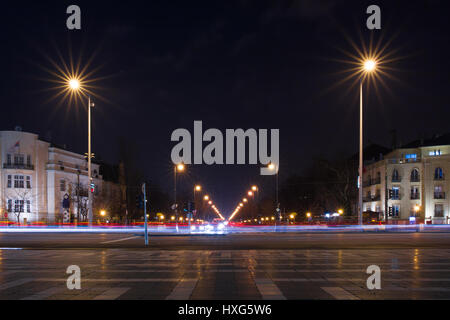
232	64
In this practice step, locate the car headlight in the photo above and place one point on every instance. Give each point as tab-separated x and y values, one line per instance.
221	226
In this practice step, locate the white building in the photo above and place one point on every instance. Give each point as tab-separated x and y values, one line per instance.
411	182
36	176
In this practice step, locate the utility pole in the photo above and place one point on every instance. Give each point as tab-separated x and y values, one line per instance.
386	194
145	215
78	195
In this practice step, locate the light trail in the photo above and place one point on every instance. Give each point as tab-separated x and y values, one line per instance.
233	228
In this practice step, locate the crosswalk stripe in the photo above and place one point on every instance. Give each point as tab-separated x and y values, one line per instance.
112	294
43	294
339	293
14	283
269	290
183	290
118	240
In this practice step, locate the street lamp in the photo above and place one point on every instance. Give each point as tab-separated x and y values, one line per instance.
177	168
75	85
272	167
368	66
197	188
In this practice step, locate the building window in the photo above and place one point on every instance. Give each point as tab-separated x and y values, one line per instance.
415	195
411	156
439	210
435	153
28	160
18	159
18	182
8	159
18	206
9	207
438	174
9	181
28	182
395	176
439	192
415	177
395	210
395	193
28	206
62	185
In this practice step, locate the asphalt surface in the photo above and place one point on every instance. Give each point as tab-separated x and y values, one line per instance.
226	267
256	241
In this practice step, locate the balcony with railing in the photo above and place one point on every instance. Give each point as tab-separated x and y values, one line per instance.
18	166
439	195
415	179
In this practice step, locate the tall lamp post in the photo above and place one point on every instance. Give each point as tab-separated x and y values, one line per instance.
197	188
272	167
177	168
74	85
368	67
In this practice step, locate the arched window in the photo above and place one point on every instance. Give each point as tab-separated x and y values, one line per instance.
395	176
438	174
378	177
415	175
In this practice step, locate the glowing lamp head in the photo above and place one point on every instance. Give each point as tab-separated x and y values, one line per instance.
74	84
180	167
254	188
103	213
271	166
206	198
370	65
198	188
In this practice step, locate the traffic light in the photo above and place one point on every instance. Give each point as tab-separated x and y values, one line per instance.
191	207
391	194
390	211
92	187
185	207
139	202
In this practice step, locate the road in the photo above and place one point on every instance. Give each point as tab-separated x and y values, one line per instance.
236	266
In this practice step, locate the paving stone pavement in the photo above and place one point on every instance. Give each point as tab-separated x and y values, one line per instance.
224	274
